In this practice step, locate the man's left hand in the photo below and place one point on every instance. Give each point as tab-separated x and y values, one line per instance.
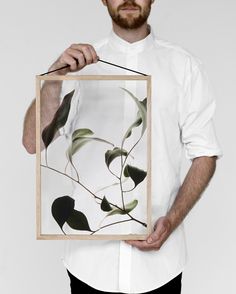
161	231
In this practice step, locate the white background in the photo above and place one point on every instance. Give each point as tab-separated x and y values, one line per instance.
33	34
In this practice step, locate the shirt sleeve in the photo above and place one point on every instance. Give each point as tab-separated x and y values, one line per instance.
68	86
197	111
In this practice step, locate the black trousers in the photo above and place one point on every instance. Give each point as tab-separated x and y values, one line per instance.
172	287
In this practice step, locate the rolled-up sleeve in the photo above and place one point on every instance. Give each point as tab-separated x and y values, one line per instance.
197	109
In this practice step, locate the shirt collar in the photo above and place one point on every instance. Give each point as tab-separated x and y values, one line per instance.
124	46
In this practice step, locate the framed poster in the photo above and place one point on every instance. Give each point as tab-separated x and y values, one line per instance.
93	160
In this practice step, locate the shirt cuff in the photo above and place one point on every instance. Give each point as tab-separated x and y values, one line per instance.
197	152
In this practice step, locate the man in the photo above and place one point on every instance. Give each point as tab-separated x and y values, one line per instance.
182	110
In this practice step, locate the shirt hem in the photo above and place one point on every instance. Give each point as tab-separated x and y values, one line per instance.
181	269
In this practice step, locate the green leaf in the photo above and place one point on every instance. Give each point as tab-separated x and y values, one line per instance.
110	155
58	121
81	133
61	209
136	174
141	113
79	139
78	221
105	206
128	207
135	124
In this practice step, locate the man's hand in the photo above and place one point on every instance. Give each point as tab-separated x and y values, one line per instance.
161	231
196	180
77	56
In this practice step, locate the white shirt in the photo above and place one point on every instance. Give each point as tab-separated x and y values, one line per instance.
183	106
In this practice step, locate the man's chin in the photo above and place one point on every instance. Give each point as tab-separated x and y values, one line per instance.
128	23
129	26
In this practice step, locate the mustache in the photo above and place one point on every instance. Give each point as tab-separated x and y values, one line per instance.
129	4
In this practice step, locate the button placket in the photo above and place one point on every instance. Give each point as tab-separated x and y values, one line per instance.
125	256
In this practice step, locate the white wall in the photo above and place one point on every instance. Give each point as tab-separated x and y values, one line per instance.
33	34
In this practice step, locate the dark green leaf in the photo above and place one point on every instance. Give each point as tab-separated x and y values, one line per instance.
110	155
128	207
78	221
136	174
105	206
58	121
61	209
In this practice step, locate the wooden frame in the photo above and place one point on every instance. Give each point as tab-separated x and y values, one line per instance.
43	236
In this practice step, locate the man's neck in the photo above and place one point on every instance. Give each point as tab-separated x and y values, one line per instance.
132	35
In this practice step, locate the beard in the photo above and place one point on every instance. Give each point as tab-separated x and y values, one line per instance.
130	21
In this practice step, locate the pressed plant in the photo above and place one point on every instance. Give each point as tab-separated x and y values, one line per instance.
62	208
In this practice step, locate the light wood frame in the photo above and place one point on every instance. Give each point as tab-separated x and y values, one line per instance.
39	235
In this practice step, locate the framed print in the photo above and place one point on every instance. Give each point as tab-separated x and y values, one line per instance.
93	157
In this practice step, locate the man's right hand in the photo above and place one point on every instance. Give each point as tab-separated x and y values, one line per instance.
77	56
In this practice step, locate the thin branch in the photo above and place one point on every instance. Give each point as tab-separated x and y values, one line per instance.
110	225
51	168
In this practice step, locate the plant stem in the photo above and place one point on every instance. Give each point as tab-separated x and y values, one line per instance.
46	159
72	165
122	166
129	190
97	197
110	225
75	170
132	149
113	173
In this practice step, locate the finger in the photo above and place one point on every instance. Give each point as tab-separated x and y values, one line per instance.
77	55
84	48
161	240
160	230
68	59
131	241
87	55
126	241
142	245
157	234
94	53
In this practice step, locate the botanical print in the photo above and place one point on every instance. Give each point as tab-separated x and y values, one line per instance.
63	208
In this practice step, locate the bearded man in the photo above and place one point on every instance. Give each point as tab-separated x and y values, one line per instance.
182	110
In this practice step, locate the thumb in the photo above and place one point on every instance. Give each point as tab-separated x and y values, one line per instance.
158	230
151	238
